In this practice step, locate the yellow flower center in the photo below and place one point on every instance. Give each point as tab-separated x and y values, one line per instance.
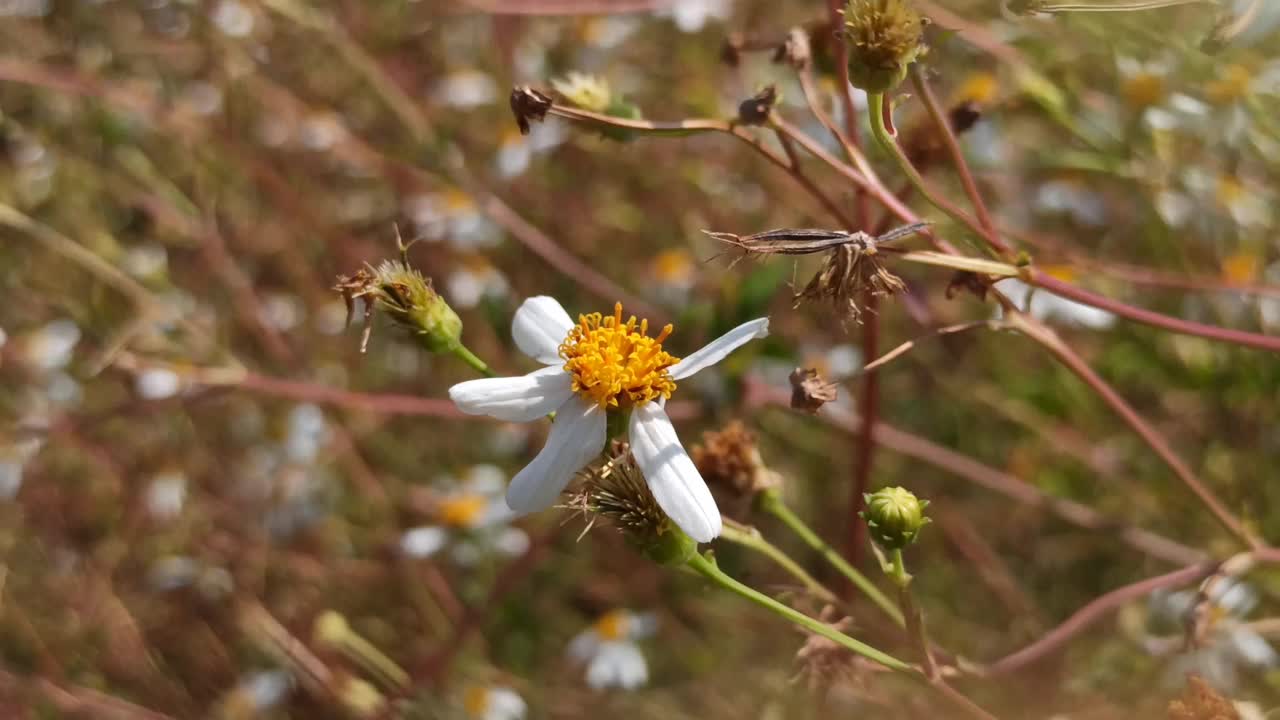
475	700
616	364
1241	267
613	626
1143	90
1230	86
461	510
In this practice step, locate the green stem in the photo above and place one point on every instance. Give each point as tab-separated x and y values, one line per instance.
772	503
750	537
876	112
470	358
709	570
899	570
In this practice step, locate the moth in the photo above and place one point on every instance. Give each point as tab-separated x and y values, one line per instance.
800	241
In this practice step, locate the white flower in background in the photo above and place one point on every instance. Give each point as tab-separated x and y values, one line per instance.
472	518
50	347
166	495
493	702
467	89
452	215
257	692
146	261
691	15
13	460
473	280
1080	202
673	274
1226	643
233	18
609	650
1044	305
516	151
599	365
157	383
306	433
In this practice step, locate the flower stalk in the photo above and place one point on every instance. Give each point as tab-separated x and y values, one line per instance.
750	538
707	568
772	503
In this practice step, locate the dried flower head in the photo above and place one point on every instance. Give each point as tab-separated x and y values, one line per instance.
1200	701
823	662
966	281
729	458
407	298
528	104
809	391
755	109
847	272
589	92
616	490
884	37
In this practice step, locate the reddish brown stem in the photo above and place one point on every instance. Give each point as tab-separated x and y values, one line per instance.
1050	341
1096	610
1154	319
943	126
1010	486
377	402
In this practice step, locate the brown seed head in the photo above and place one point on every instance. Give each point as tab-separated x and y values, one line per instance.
729	458
1199	701
846	273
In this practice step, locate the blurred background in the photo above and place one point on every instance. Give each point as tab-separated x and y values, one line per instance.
212	504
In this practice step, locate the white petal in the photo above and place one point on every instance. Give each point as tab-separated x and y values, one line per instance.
717	349
576	436
617	664
515	399
540	325
679	489
511	542
505	704
1252	647
584	645
425	541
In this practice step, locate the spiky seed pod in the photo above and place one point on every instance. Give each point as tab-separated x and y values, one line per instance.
408	299
884	37
615	490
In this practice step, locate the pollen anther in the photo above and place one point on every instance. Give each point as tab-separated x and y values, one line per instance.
617	364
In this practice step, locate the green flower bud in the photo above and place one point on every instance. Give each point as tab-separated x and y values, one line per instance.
408	299
884	38
894	517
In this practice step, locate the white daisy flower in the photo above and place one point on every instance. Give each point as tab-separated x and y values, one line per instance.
609	650
493	702
1227	644
472	518
599	365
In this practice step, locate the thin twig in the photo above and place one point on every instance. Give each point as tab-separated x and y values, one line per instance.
1015	488
1048	339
